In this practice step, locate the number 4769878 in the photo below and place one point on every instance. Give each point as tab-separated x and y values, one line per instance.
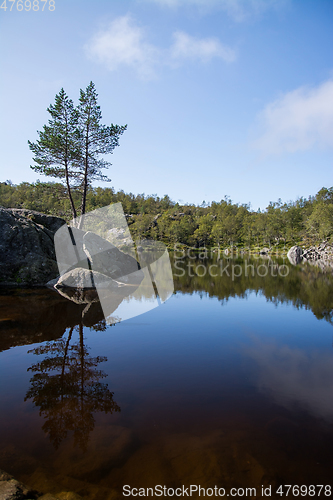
27	5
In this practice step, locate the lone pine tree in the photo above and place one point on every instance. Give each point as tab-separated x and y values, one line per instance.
70	146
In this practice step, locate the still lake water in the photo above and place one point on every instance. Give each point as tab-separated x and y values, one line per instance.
228	383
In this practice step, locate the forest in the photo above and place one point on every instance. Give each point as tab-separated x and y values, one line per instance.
223	223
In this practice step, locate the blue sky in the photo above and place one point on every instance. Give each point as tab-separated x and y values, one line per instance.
221	97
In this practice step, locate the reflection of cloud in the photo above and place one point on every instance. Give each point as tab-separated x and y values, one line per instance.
297	121
238	10
204	49
124	44
292	377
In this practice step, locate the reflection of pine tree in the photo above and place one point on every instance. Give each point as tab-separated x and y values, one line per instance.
67	389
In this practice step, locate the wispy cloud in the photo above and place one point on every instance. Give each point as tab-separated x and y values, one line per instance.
238	10
297	121
121	44
203	49
124	44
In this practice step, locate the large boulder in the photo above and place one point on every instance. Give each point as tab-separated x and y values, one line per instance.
295	255
106	258
85	279
27	247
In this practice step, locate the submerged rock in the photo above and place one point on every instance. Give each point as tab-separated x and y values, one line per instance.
11	489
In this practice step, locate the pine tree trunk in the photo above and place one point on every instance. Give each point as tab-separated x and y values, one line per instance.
70	193
85	178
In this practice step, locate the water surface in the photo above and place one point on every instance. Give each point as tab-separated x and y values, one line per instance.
228	383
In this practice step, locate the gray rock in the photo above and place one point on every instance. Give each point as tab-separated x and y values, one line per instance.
82	279
107	259
27	248
295	255
49	222
320	256
53	282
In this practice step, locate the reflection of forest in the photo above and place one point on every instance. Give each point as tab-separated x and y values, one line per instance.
36	315
303	286
66	387
28	316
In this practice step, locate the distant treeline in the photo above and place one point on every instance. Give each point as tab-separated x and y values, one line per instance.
224	223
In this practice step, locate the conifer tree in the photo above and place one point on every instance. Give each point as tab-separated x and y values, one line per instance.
95	140
71	146
57	148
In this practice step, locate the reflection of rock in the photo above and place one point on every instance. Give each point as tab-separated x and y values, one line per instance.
295	255
76	285
36	315
27	248
79	296
92	314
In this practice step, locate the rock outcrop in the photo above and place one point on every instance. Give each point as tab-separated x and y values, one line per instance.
321	255
29	256
27	247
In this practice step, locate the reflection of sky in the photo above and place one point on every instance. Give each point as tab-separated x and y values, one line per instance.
199	348
292	376
195	354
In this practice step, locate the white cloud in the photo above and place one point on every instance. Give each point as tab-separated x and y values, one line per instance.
297	121
204	49
123	44
238	10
